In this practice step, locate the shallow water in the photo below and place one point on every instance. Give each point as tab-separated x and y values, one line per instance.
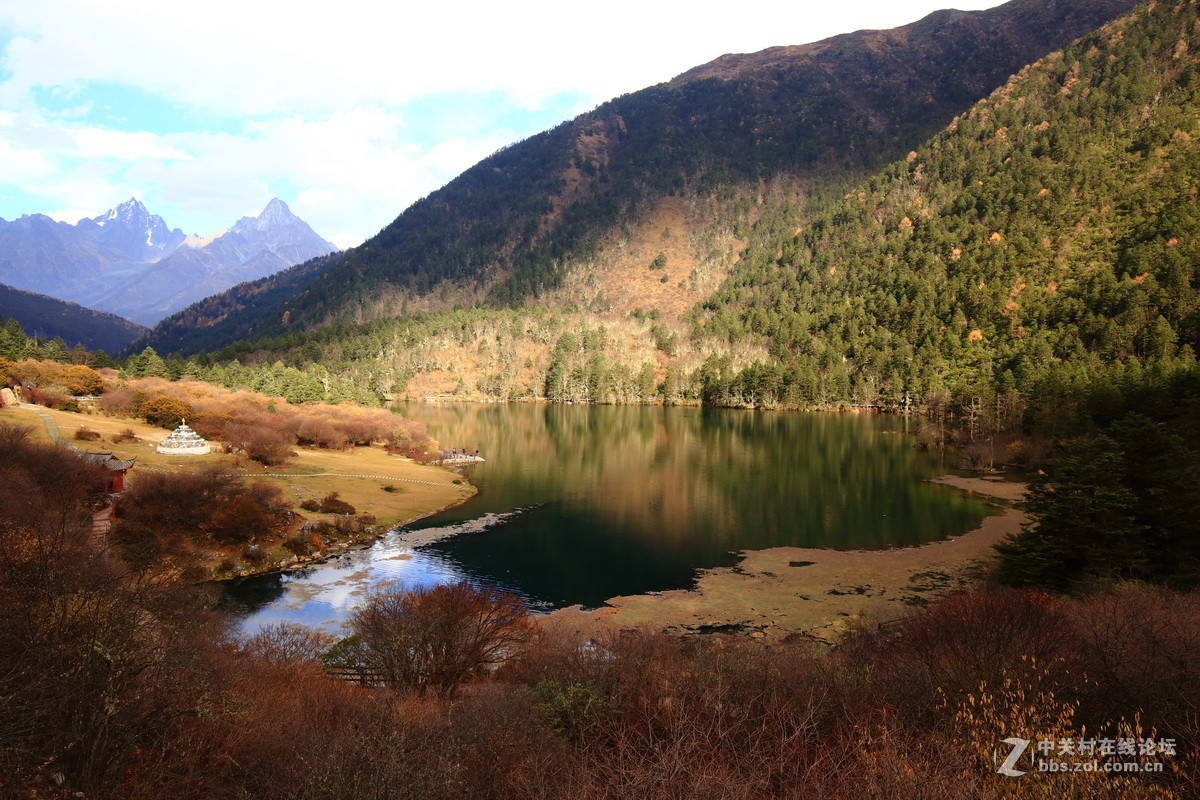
577	504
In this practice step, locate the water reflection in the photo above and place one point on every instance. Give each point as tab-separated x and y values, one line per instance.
322	596
632	499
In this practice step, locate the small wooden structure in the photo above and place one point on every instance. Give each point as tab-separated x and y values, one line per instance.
116	467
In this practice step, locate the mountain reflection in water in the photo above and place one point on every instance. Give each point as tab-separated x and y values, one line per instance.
577	503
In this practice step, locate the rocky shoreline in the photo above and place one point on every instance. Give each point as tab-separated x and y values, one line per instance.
787	592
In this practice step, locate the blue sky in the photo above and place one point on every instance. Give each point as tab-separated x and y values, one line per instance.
348	111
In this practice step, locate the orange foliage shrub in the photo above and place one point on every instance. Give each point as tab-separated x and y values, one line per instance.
266	428
161	513
119	402
287	643
86	434
963	640
436	638
329	504
74	379
53	397
163	411
126	435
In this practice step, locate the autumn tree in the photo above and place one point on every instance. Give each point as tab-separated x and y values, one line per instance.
164	411
95	668
437	638
162	514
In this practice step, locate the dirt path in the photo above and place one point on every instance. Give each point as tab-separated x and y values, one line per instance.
819	594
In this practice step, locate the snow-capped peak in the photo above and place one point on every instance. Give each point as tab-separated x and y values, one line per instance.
276	215
275	208
132	209
133	219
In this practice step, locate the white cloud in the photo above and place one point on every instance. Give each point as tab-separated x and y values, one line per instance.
357	169
98	143
265	57
315	97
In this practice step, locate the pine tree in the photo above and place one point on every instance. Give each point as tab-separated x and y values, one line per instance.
14	344
1083	524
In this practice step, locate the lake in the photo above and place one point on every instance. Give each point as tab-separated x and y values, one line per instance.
581	503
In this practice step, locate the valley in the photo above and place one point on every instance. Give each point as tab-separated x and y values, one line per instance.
579	504
838	404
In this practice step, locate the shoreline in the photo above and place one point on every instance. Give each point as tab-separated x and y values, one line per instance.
784	593
682	403
424	489
296	563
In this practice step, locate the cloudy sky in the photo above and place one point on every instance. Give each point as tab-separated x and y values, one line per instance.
349	110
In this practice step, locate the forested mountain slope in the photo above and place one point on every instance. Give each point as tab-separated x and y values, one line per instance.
47	317
1051	232
1048	237
513	226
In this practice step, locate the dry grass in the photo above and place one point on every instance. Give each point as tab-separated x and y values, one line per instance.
698	259
414	500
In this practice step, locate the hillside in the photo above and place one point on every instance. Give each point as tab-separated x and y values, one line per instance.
45	317
781	125
1046	237
1051	234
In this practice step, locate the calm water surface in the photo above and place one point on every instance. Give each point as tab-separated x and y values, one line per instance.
577	504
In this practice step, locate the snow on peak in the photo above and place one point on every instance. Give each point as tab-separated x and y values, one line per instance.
276	215
132	218
276	210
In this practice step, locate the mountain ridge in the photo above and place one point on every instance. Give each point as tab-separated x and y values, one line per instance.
253	247
128	261
48	317
1042	248
515	226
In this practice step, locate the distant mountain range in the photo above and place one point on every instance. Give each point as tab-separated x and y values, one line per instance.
46	317
129	262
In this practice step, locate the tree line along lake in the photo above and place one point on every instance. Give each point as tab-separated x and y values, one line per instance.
580	503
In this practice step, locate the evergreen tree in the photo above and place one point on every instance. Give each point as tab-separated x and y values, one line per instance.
54	350
1083	524
14	344
152	364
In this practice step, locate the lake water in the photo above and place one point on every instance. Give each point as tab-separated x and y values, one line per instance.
578	504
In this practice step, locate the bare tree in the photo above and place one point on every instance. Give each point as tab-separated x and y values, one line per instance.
437	638
287	643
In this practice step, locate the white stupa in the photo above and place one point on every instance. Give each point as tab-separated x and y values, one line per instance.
183	441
